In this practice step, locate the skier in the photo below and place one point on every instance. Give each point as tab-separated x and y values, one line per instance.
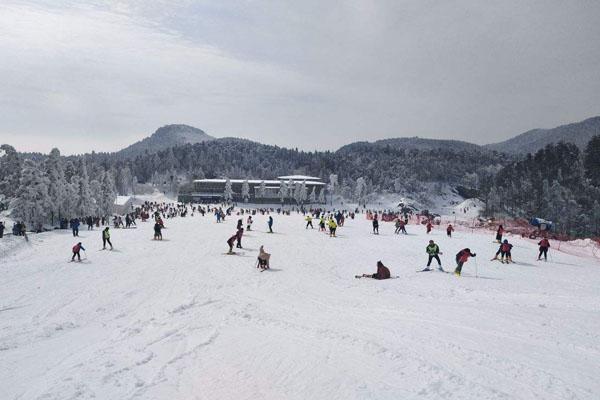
433	251
240	232
429	226
375	225
106	239
461	258
309	222
382	273
544	246
332	227
239	223
249	223
322	223
157	231
499	234
263	259
270	223
449	230
402	226
75	226
76	249
230	242
1	229
505	255
397	225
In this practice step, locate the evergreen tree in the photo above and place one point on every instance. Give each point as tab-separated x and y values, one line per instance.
262	190
10	171
107	196
592	161
228	193
57	184
313	195
32	203
246	190
85	204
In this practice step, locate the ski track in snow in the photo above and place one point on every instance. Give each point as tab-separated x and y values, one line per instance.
179	320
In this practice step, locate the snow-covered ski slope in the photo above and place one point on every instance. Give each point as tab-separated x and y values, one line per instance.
178	319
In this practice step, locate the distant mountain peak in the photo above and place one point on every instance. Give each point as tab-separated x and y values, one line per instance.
165	137
578	133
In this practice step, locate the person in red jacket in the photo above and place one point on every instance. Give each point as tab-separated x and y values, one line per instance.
505	255
544	246
382	273
461	259
429	226
76	251
449	230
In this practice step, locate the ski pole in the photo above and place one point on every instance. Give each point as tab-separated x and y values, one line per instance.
85	254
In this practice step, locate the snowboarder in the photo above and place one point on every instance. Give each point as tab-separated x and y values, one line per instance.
263	260
544	246
433	251
382	273
230	242
499	234
449	230
106	239
157	231
309	222
249	223
375	225
461	258
270	223
76	251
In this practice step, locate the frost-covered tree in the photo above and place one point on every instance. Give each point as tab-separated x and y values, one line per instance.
96	189
57	191
262	190
322	196
282	193
303	192
108	195
228	193
361	190
32	203
246	190
85	203
313	195
10	171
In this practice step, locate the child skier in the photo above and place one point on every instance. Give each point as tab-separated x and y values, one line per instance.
544	246
461	258
504	250
157	231
249	223
270	223
429	226
433	251
240	232
309	222
332	227
106	239
375	226
76	251
230	242
449	230
263	259
322	223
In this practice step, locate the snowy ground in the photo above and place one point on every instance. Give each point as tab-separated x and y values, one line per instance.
179	320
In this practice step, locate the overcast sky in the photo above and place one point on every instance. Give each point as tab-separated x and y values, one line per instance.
308	74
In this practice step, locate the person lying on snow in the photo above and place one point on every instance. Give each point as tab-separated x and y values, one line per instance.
263	259
382	272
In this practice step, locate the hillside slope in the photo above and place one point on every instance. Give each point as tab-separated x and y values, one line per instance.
531	141
165	137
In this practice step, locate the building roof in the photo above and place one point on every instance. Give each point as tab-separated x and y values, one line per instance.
257	181
299	178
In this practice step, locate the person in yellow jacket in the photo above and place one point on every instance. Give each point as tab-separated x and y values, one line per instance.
322	223
106	239
332	227
309	222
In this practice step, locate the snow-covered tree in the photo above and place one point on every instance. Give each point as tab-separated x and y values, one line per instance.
322	196
228	193
85	203
57	191
303	192
361	190
32	203
262	190
313	195
246	190
108	195
282	193
96	190
10	171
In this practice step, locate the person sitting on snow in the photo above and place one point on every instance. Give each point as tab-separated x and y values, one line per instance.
382	272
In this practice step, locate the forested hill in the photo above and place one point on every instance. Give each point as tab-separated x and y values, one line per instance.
416	143
578	133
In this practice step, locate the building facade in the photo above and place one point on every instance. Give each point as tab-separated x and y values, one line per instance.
298	189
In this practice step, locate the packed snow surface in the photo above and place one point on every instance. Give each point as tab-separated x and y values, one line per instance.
178	319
